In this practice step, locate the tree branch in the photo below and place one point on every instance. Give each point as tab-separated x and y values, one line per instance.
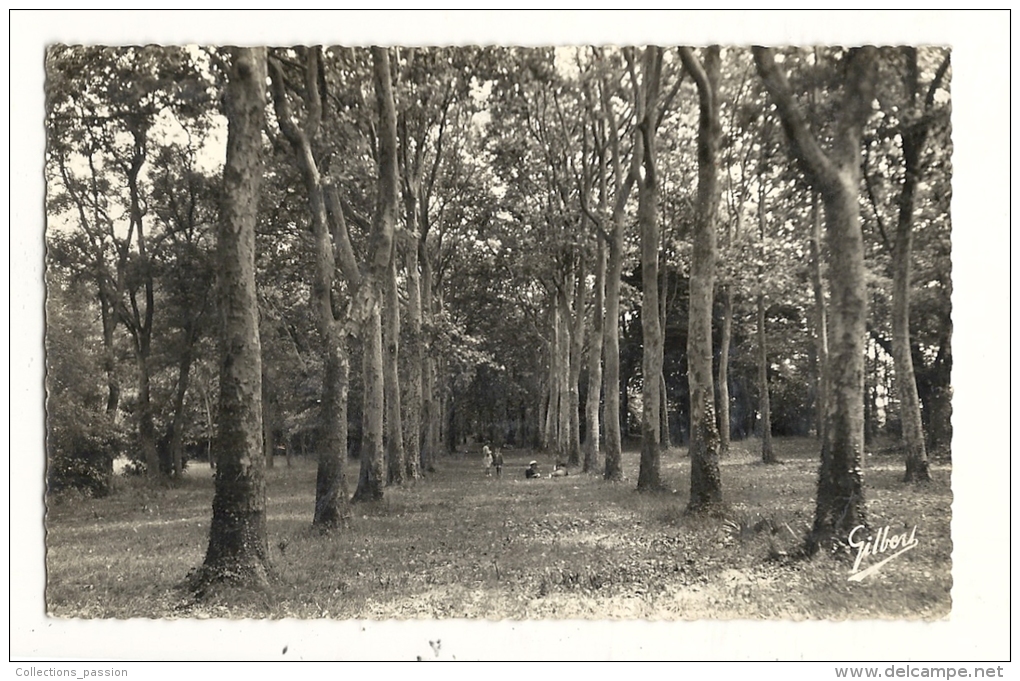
803	144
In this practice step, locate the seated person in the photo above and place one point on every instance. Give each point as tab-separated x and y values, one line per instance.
559	471
532	470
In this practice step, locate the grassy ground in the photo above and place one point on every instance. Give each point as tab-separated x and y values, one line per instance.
460	545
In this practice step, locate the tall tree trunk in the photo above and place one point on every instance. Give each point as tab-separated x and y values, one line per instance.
396	462
664	439
706	483
768	455
431	405
549	438
906	384
723	381
415	362
238	548
622	187
574	377
372	476
840	505
110	358
141	322
870	392
648	225
563	376
819	320
368	317
332	493
146	424
591	442
176	427
331	503
576	349
664	436
611	379
765	406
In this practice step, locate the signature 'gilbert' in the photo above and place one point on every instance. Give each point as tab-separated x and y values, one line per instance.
878	545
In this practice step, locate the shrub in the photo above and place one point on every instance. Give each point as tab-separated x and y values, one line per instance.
80	446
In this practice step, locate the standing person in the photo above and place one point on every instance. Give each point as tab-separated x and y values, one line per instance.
497	461
487	460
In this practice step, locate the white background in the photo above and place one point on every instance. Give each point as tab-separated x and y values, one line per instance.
978	628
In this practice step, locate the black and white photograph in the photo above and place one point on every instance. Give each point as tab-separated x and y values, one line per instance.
513	333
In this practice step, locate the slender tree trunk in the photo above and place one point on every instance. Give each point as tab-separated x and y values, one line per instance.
820	330
648	225
611	381
706	483
870	393
563	377
146	424
415	364
910	404
372	477
176	428
396	462
664	436
840	505
664	439
765	406
552	385
723	381
331	491
574	377
141	326
110	359
238	548
373	454
591	443
431	407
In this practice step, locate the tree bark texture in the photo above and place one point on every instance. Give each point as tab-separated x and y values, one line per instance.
591	442
396	462
819	321
840	502
238	548
431	405
175	440
648	225
611	379
331	503
768	455
913	137
563	374
368	315
574	367
706	483
723	380
415	360
372	476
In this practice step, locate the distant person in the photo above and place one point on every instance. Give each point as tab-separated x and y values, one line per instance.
532	470
487	460
559	471
497	462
